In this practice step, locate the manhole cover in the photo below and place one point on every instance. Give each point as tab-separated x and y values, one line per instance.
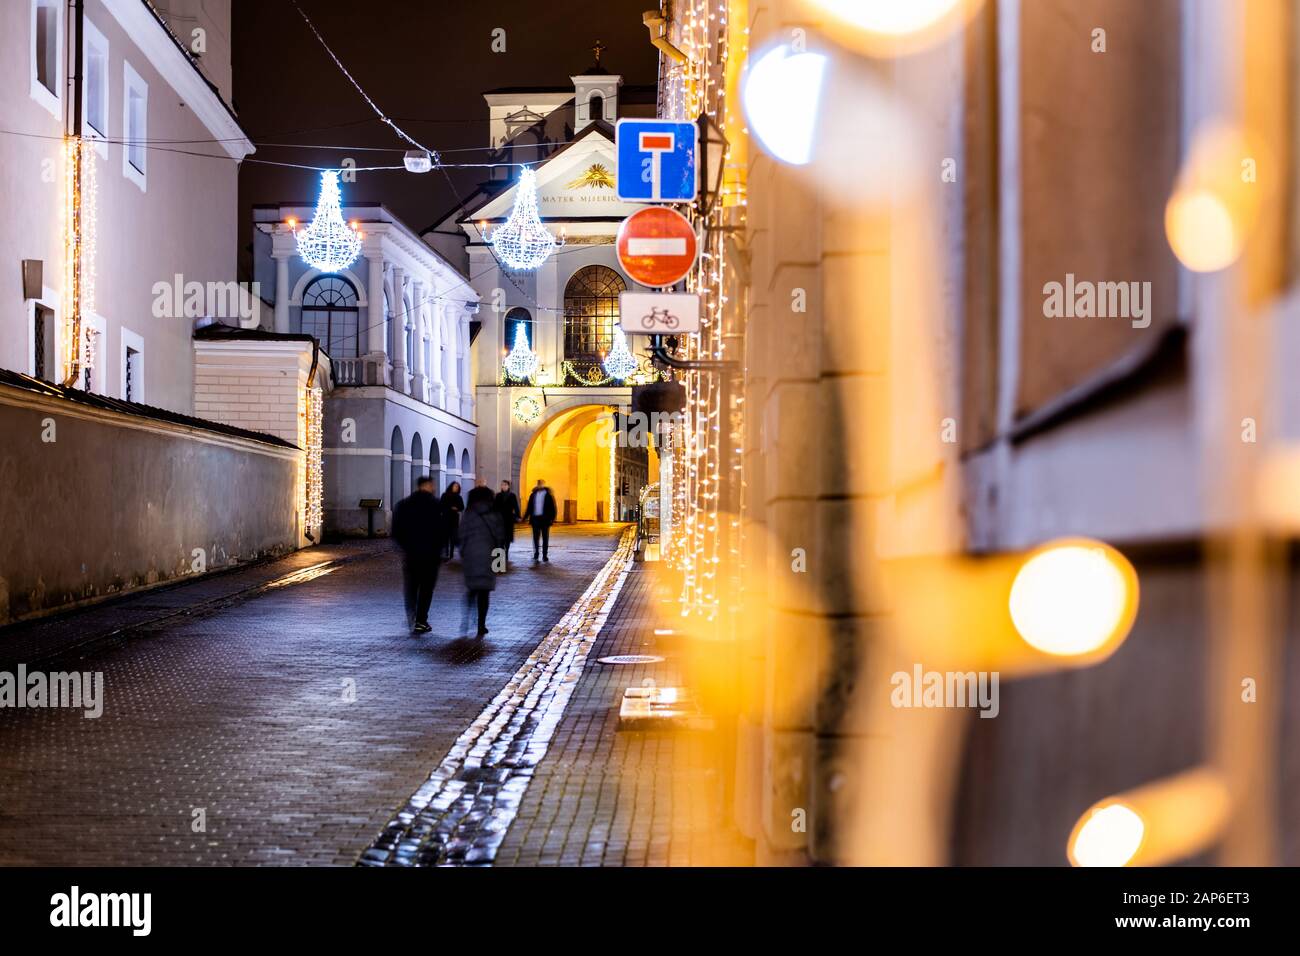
630	659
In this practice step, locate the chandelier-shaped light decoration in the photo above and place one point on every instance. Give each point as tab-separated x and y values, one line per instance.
521	363
619	363
523	242
328	244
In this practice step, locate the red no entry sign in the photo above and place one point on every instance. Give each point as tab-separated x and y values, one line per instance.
656	246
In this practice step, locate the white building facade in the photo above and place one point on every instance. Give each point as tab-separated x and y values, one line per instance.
548	426
143	82
397	325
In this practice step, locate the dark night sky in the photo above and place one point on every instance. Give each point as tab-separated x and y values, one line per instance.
426	64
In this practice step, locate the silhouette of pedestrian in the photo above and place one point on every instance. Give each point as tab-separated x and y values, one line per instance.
418	530
452	506
482	533
541	515
507	506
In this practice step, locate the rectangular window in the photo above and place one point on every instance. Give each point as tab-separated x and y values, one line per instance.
135	125
96	80
92	356
43	339
46	46
132	366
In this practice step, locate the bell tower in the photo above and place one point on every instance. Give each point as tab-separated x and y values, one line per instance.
595	94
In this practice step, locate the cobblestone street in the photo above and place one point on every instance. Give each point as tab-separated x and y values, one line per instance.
281	714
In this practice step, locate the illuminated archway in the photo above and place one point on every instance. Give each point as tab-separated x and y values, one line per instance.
576	462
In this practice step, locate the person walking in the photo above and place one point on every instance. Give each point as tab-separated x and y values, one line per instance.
507	506
482	533
418	530
541	515
452	507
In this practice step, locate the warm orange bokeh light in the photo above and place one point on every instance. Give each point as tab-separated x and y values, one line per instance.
1074	597
1216	200
1201	232
887	27
1159	823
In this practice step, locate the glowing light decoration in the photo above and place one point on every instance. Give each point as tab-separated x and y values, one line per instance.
706	447
79	224
523	243
1074	597
526	409
313	486
522	361
620	363
328	244
1108	836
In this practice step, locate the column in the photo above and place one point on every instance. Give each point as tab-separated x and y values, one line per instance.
547	328
419	309
377	346
401	320
437	381
492	310
462	358
450	368
282	250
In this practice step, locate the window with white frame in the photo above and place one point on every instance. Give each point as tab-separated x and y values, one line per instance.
93	358
43	355
132	366
47	54
135	124
95	72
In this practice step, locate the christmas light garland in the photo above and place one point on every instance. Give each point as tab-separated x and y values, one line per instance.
708	433
79	238
314	486
526	409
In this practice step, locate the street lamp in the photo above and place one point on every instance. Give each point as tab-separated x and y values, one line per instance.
713	158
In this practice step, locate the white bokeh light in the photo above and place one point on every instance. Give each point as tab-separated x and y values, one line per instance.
1111	836
782	93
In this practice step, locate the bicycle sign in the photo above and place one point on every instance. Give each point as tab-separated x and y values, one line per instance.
658	313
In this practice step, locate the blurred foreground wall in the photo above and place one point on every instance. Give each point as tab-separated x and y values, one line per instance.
932	401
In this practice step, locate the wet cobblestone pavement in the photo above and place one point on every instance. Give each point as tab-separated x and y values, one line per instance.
606	796
282	726
461	814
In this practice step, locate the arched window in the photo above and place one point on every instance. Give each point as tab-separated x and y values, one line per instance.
329	312
417	460
596	107
515	318
590	311
464	462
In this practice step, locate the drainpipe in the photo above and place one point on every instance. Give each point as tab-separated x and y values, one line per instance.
657	24
79	20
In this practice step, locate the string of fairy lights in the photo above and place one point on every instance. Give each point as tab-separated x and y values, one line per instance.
710	433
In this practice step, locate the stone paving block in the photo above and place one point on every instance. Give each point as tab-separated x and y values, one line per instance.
297	720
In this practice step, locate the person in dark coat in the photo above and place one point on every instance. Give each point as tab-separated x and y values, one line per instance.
507	506
541	515
418	531
452	507
482	538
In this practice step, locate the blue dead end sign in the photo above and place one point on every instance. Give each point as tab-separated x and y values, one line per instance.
656	160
